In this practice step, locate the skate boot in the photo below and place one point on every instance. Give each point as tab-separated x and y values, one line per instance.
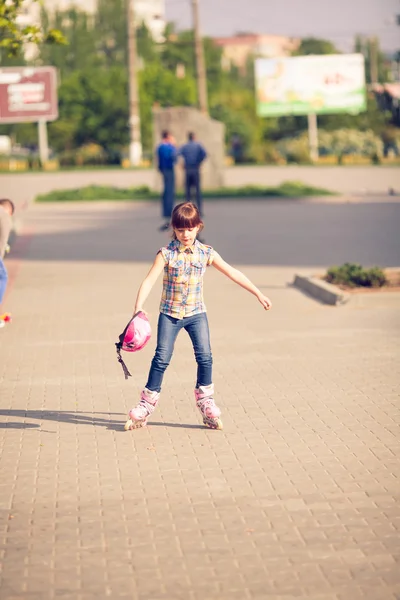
206	405
137	417
4	319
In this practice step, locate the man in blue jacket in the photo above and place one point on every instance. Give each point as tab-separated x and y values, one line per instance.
193	155
166	156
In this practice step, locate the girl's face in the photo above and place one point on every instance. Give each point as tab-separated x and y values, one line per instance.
186	236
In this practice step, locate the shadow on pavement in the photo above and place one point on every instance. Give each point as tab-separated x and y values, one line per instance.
278	233
16	425
76	418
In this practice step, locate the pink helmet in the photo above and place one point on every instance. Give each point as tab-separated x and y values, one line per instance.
134	337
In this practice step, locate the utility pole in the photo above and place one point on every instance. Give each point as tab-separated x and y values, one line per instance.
43	143
313	136
373	59
200	68
135	144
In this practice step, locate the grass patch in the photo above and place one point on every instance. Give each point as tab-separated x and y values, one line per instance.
288	189
96	192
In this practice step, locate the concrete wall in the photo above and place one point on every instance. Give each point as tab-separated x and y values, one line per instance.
178	121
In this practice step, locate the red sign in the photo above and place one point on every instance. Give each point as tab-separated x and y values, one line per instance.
28	94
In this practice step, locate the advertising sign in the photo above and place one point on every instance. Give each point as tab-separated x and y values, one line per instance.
304	85
28	94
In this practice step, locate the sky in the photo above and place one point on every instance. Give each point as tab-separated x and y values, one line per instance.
338	20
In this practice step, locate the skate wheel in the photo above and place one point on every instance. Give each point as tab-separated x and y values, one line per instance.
215	424
131	424
128	425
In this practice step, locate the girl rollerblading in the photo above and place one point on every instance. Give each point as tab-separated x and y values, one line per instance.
184	262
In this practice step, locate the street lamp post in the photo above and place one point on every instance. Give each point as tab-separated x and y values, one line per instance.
200	66
135	144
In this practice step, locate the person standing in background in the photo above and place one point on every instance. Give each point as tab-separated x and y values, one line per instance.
193	154
6	212
166	157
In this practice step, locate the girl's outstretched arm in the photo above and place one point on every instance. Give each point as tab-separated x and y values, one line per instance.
149	281
238	277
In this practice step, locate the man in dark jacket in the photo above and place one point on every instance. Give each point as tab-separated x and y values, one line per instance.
166	157
193	155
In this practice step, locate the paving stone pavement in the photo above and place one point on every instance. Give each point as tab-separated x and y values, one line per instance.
296	498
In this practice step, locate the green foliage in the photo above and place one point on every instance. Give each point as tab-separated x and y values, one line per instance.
160	87
350	141
13	36
368	47
289	189
354	275
295	150
93	94
339	143
315	46
95	192
146	48
80	50
235	107
178	49
92	108
111	32
89	154
372	119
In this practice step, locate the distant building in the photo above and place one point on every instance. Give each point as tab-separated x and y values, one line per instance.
150	12
30	12
236	50
88	6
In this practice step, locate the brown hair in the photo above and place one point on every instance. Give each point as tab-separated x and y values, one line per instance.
7	202
185	216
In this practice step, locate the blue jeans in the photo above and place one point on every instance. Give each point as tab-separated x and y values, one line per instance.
193	181
3	280
167	332
168	195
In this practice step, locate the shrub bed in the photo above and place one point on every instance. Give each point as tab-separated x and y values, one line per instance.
288	189
353	275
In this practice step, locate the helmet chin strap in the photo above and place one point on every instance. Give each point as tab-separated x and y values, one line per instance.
121	361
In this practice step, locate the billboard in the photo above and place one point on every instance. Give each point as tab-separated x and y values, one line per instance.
302	85
28	94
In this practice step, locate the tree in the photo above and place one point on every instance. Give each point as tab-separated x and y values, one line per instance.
372	119
93	108
315	46
179	50
95	41
111	32
147	49
235	107
80	49
159	86
14	36
370	49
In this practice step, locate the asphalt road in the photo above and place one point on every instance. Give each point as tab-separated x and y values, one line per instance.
250	232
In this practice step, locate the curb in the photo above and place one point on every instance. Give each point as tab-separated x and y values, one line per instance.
321	290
